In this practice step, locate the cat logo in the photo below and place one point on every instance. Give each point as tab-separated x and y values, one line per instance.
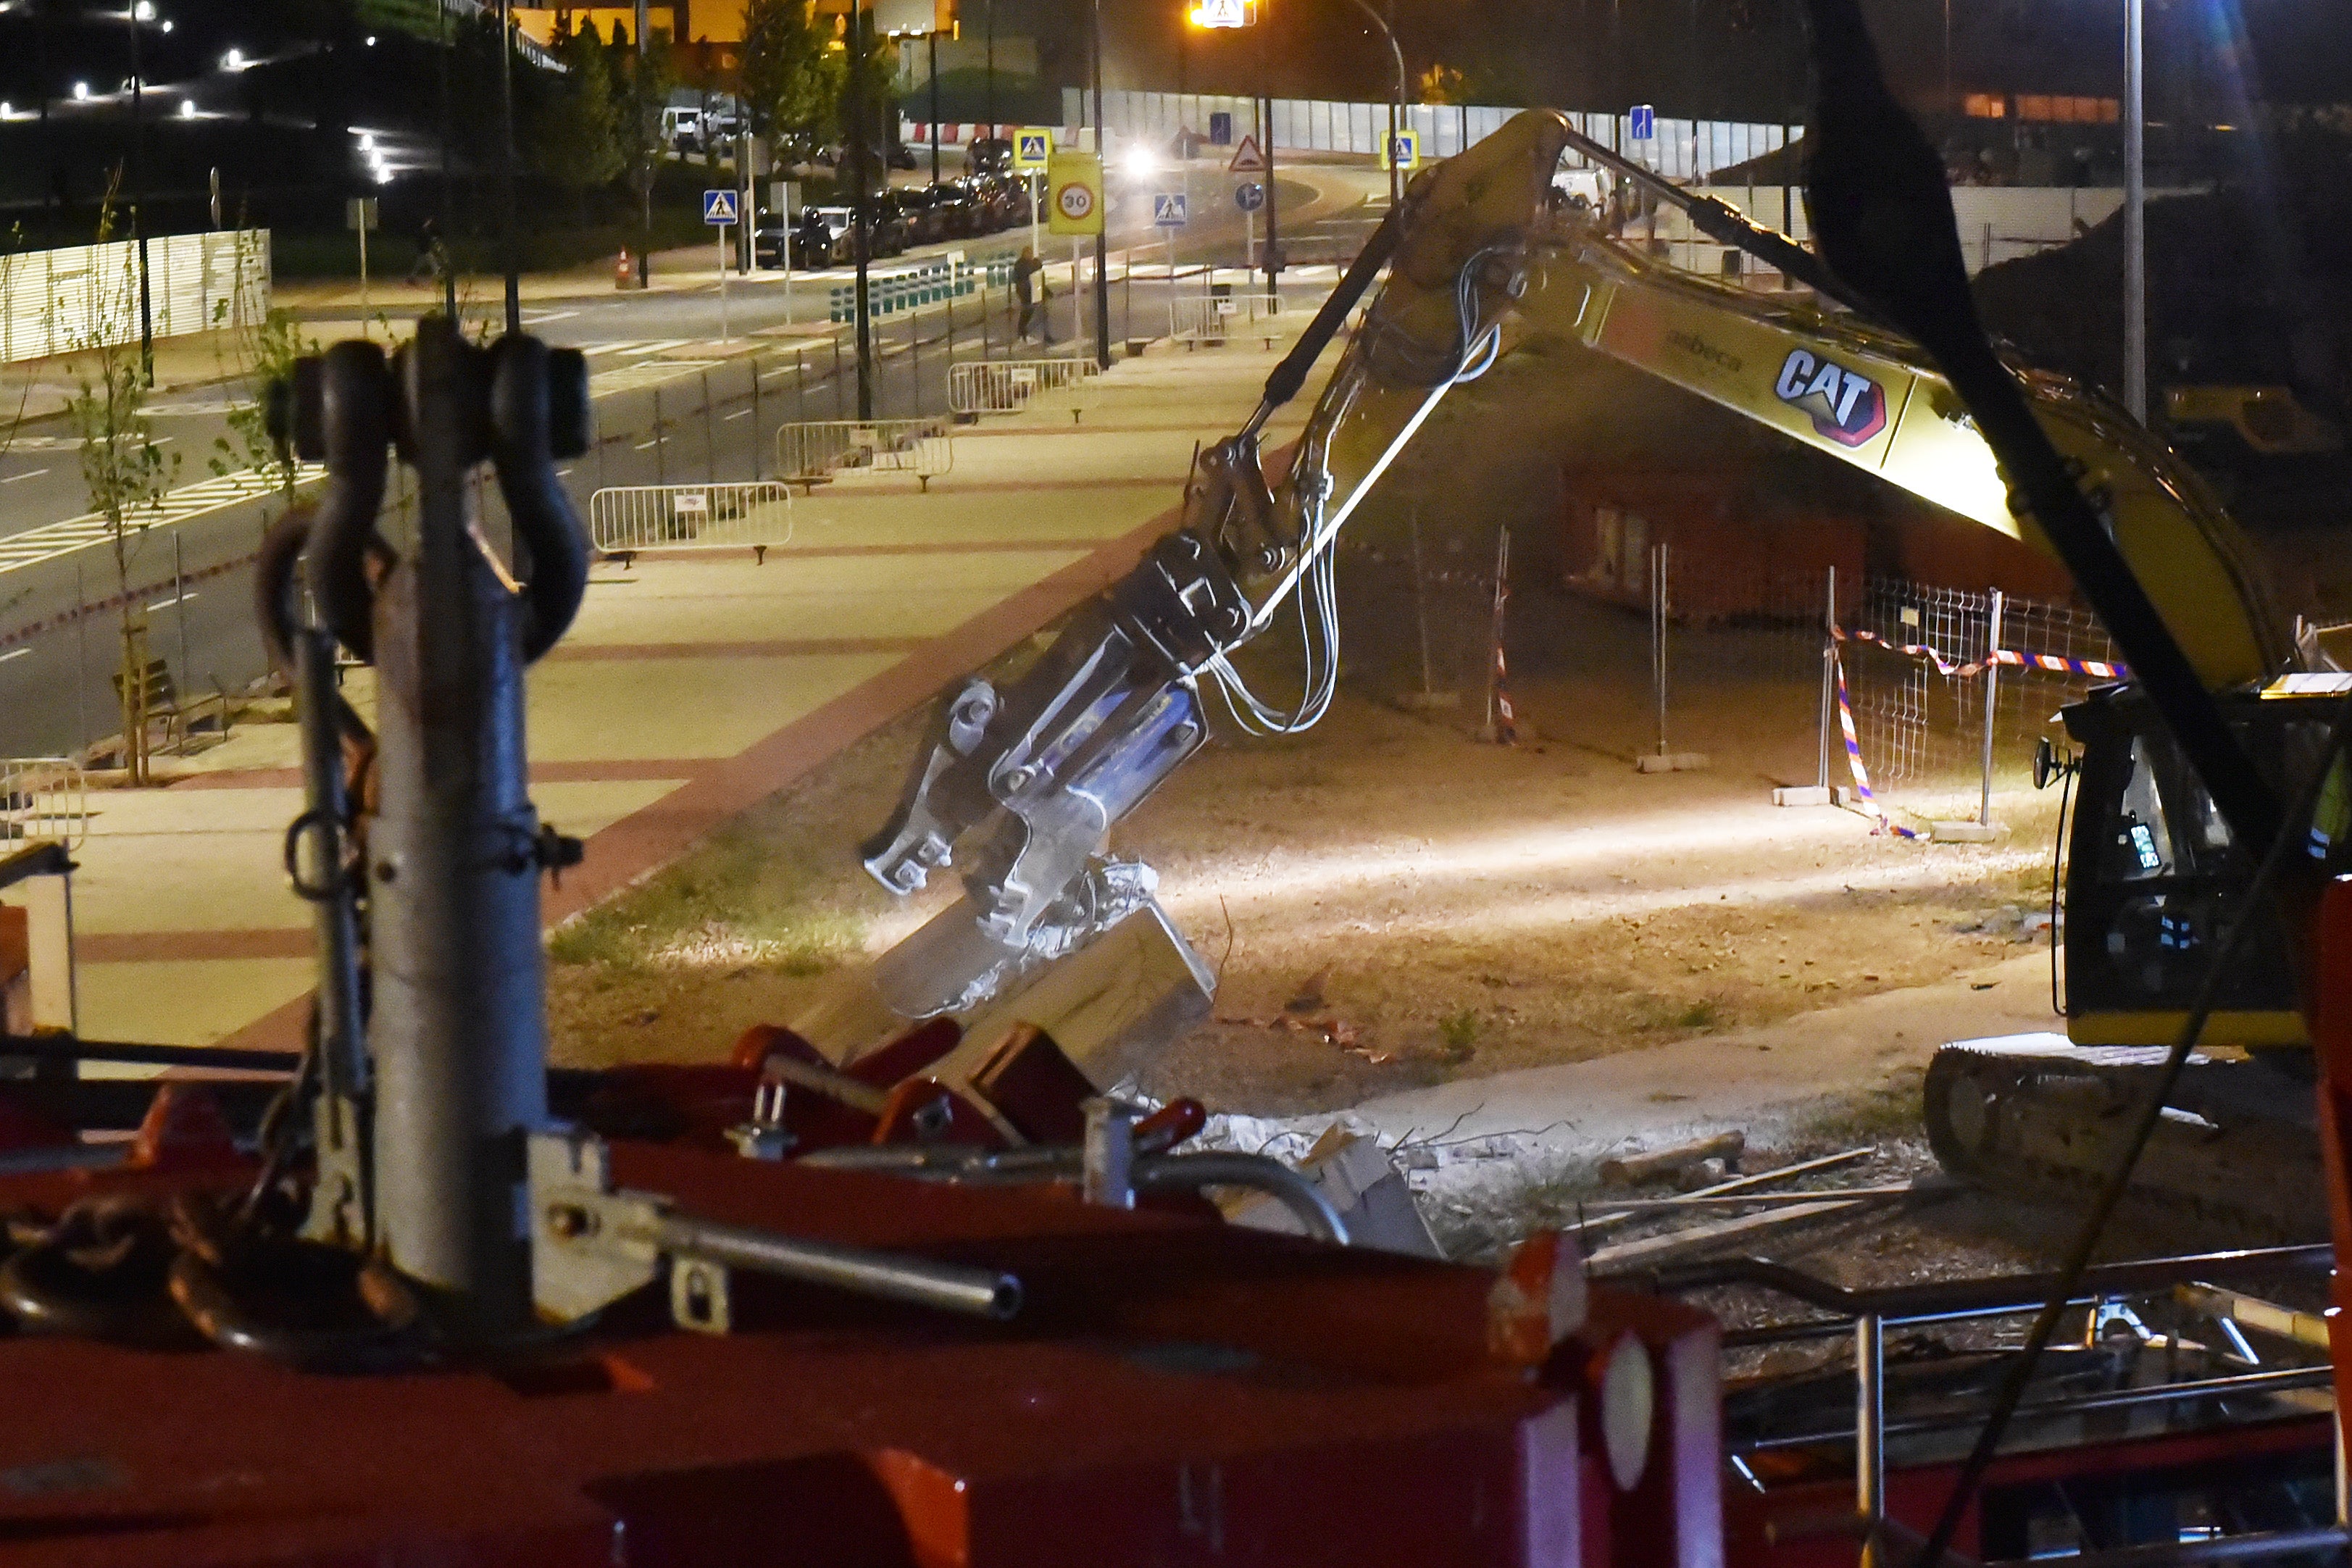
1846	405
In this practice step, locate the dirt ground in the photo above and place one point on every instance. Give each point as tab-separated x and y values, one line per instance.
1393	905
1390	902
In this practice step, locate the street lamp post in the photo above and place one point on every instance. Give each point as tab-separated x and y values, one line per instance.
648	155
507	165
2135	119
141	13
861	208
1102	226
1396	104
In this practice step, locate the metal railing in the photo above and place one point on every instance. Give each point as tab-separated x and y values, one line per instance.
755	515
1003	387
1211	318
43	800
810	453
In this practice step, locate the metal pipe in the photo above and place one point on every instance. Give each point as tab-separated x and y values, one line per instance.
947	1287
1870	1430
2216	1549
459	1022
1985	1298
1992	687
2277	1382
2252	1312
1295	1192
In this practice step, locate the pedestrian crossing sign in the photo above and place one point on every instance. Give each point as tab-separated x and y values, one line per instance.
1032	147
1168	209
1403	151
719	207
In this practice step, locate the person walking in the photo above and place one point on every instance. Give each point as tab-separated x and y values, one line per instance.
1028	289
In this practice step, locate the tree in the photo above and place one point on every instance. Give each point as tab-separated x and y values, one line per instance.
1442	84
580	123
126	474
790	81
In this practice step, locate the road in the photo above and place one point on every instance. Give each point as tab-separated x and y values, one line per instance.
673	404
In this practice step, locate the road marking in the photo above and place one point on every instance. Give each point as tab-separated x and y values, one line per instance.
563	473
664	346
167	604
28	474
14	653
739	413
47	542
648	446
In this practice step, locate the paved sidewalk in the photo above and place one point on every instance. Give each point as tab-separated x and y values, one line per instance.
690	688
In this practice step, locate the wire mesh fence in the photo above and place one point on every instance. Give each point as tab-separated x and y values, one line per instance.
1921	716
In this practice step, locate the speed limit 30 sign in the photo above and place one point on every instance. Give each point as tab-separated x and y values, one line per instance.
1075	193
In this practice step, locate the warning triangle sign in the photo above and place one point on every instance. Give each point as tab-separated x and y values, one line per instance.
1247	159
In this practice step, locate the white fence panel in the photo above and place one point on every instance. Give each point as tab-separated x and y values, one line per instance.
87	296
1210	319
808	453
1005	386
755	516
43	800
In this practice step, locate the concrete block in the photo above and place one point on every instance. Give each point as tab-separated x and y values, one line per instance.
1805	794
1362	1184
1672	762
1963	832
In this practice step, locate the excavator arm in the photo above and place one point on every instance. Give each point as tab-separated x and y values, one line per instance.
1021	784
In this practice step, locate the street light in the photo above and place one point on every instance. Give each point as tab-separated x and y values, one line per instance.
1396	104
2135	119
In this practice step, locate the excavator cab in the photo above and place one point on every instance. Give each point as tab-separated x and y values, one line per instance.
2154	875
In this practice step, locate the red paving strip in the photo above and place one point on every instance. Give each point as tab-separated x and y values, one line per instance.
611	770
771	647
206	946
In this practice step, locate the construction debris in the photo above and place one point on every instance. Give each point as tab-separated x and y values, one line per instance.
1651	1250
1631	1169
1363	1184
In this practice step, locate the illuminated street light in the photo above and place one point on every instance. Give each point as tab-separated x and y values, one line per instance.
1138	162
82	92
234	60
143	12
187	108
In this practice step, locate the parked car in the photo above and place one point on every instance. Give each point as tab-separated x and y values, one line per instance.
822	238
989	155
926	219
959	209
768	244
1005	201
892	232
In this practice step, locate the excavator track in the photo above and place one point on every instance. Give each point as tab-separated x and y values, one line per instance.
2034	1116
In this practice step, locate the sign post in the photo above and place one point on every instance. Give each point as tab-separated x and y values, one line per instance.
1249	195
1169	209
719	211
360	213
1032	150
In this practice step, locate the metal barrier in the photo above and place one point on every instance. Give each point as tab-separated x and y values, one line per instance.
1210	319
43	800
755	516
807	454
1002	386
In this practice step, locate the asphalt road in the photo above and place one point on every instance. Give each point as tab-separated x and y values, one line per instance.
670	407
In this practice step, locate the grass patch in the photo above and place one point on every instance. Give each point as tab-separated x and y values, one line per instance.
1460	1033
764	892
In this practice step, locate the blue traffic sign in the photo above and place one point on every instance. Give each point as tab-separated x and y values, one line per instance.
1221	129
719	206
1168	209
1249	195
1646	123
